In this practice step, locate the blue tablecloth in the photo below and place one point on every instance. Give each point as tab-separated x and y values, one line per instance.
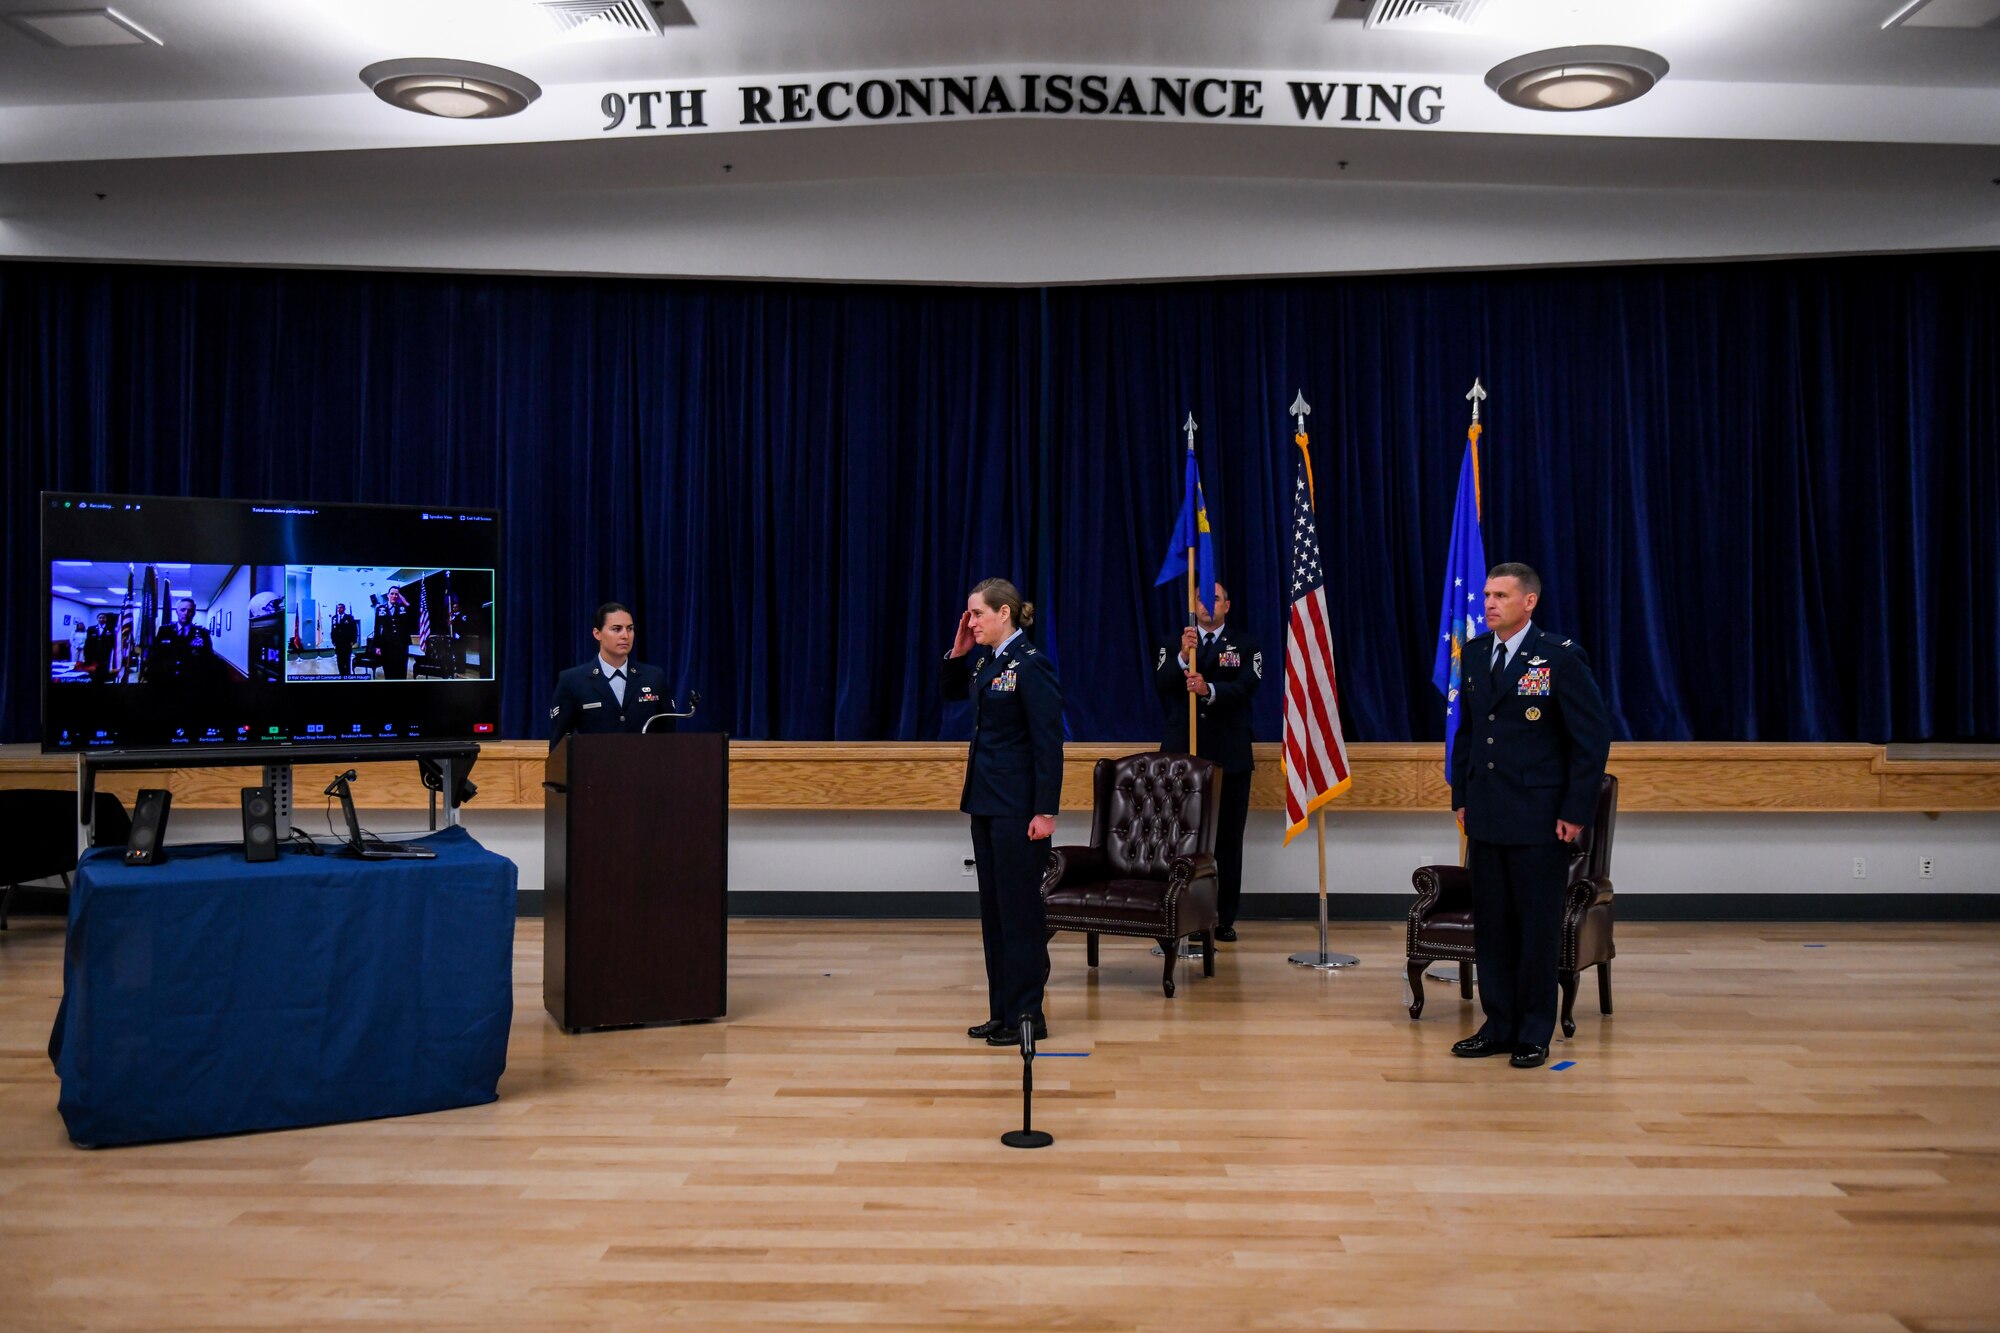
207	995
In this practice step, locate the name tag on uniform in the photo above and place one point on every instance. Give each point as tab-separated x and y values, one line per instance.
1231	658
1535	680
1003	683
595	705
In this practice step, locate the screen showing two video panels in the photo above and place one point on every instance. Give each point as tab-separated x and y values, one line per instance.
210	622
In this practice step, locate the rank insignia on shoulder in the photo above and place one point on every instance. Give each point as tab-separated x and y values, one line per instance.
1534	715
556	711
1004	683
1568	643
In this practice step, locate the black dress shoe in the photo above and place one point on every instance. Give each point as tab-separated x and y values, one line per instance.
1226	934
1478	1044
984	1030
1527	1057
1006	1036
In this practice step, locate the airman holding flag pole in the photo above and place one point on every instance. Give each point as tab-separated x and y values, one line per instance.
1191	536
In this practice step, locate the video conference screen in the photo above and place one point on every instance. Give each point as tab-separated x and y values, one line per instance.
182	622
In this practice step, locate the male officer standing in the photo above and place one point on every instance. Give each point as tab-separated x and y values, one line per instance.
344	631
610	692
397	626
182	652
1222	669
1525	770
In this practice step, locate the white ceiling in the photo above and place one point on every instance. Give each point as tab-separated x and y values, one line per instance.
1785	126
230	49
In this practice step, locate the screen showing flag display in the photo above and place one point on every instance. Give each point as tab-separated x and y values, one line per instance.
182	622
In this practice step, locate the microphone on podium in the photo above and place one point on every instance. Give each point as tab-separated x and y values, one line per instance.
694	702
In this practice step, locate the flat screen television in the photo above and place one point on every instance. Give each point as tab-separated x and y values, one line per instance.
213	625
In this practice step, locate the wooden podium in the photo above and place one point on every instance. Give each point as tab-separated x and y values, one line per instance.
636	899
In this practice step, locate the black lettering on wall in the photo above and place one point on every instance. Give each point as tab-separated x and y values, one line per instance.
959	91
911	93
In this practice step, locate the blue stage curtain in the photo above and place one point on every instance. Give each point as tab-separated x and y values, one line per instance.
1763	495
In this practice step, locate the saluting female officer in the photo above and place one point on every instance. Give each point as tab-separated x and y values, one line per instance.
1013	785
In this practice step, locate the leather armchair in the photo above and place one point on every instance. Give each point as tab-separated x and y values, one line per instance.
1149	870
1440	926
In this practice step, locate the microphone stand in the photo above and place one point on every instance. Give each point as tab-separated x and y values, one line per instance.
1027	1136
694	702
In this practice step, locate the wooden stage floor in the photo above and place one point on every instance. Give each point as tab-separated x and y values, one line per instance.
1767	1136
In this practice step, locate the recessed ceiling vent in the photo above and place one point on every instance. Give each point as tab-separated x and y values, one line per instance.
584	19
1431	15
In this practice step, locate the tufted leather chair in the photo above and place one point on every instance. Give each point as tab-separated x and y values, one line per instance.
1440	929
1149	870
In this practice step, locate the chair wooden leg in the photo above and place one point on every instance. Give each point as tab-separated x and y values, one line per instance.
5	900
1417	966
1172	949
1464	981
1090	947
1604	988
1568	979
1208	953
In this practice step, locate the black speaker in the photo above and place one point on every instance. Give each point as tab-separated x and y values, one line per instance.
144	845
260	824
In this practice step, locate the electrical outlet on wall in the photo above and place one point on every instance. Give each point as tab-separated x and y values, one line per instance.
1924	868
970	868
1861	867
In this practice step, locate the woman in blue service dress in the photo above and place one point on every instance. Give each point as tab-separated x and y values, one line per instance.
1013	786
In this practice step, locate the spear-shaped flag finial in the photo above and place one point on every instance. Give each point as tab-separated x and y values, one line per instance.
1476	396
1301	409
1189	427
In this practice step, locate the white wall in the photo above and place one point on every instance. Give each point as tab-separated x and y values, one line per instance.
1795	854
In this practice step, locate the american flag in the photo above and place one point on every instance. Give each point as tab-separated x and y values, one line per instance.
1315	751
424	610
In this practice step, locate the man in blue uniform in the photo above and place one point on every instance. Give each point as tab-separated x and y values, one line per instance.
1222	668
1013	788
182	652
344	631
611	692
1526	765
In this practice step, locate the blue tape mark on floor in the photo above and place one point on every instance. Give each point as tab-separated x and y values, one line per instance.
1815	946
1062	1055
1562	1064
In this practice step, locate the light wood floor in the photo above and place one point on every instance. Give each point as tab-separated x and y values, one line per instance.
1766	1136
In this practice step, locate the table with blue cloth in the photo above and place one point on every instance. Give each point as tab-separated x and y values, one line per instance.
210	995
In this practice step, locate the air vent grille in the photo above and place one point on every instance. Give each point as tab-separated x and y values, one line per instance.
601	18
1424	13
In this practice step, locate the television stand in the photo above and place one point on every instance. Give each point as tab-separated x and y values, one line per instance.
444	765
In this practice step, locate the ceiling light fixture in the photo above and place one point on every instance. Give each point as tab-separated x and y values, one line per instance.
455	89
1576	78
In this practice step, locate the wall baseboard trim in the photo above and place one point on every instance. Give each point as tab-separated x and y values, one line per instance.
964	906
